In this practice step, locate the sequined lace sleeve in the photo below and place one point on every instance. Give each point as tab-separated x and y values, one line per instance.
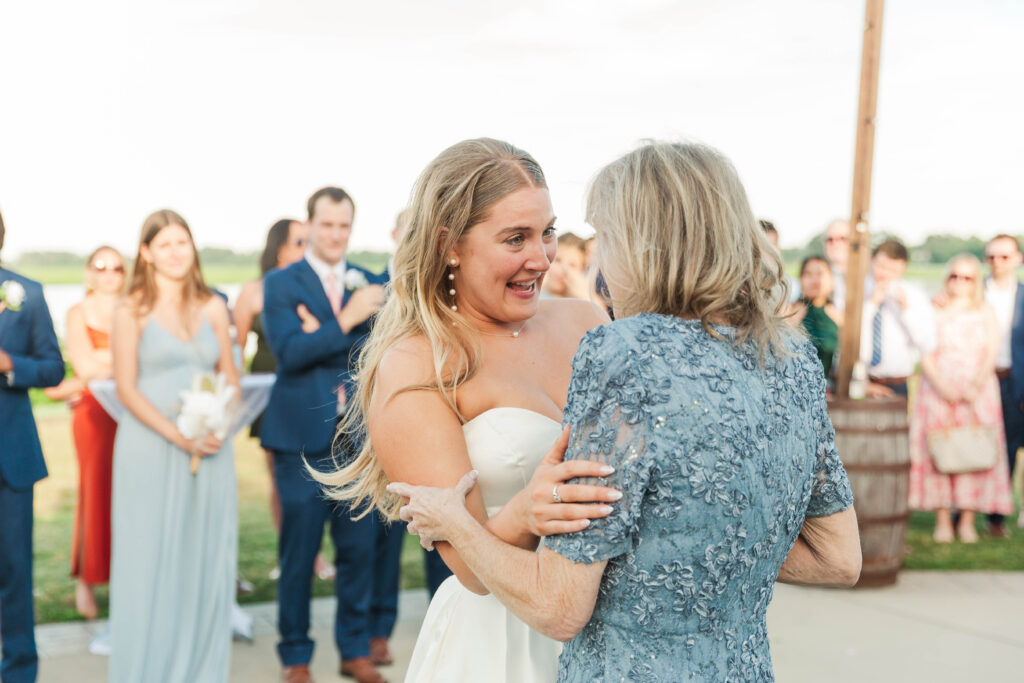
830	492
606	412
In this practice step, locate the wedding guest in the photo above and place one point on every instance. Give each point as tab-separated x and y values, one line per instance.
175	533
959	388
1005	294
467	366
898	323
314	366
93	429
29	357
815	312
285	245
698	396
837	252
567	278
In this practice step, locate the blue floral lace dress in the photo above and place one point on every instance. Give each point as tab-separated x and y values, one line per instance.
719	460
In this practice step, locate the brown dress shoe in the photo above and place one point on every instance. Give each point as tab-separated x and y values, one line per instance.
361	669
296	674
379	652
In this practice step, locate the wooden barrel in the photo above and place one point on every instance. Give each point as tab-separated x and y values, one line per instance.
872	439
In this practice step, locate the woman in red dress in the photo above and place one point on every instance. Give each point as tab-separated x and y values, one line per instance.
88	351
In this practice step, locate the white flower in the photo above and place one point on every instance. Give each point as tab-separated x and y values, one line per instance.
354	279
204	407
12	294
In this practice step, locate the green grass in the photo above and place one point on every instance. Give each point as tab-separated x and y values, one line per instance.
257	551
989	553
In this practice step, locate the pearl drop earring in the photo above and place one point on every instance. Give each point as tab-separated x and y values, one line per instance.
451	284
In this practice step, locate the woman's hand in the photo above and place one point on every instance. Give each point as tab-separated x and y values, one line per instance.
203	447
433	512
540	512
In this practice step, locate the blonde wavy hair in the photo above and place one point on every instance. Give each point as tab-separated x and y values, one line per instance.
453	193
674	226
977	295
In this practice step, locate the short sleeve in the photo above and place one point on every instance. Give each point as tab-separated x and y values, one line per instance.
606	413
830	490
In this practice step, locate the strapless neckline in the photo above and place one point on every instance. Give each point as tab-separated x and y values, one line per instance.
513	408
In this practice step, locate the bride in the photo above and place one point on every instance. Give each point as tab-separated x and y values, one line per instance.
467	368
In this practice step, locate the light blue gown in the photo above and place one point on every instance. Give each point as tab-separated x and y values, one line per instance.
175	535
719	460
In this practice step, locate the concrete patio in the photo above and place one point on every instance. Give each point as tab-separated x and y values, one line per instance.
932	626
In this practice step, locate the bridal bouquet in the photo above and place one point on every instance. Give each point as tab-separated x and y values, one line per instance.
206	409
12	296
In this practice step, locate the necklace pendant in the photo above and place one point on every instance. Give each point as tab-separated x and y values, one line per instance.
516	333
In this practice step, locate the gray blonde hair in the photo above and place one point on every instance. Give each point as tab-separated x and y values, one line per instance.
673	220
978	292
455	192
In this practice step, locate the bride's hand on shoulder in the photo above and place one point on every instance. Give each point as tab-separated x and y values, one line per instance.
551	506
432	512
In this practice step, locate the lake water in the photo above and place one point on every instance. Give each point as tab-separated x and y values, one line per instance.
60	298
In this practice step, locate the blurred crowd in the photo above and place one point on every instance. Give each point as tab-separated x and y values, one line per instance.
963	349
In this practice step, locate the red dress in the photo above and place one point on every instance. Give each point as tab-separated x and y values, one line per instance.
93	430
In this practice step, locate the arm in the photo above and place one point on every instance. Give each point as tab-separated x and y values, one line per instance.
246	308
826	553
81	354
988	364
43	366
216	312
827	550
550	593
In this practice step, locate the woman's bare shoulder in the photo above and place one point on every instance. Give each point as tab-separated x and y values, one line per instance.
408	361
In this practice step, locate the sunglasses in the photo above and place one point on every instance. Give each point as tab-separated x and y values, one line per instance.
954	277
100	267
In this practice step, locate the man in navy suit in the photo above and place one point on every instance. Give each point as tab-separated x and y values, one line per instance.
1005	293
29	357
315	325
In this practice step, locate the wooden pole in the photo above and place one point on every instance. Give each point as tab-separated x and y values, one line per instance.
860	236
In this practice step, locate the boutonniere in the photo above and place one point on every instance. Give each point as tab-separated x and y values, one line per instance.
354	279
12	295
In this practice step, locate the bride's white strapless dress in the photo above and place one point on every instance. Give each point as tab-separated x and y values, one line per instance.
470	637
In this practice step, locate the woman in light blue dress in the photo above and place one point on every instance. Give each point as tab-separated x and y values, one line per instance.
174	532
712	413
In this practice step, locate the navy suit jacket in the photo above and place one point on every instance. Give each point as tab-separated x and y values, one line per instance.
301	416
27	335
1017	349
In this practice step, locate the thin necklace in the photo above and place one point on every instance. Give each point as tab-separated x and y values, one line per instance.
514	334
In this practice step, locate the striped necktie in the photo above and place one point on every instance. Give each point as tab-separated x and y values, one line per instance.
876	338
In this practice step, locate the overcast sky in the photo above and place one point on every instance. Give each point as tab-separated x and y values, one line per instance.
233	113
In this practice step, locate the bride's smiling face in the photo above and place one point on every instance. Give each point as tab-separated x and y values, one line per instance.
502	260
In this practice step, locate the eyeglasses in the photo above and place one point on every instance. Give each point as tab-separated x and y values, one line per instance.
953	277
100	267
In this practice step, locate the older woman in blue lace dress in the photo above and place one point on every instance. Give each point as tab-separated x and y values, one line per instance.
712	413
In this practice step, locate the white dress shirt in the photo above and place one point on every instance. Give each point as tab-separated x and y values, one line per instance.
323	270
906	334
1003	302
